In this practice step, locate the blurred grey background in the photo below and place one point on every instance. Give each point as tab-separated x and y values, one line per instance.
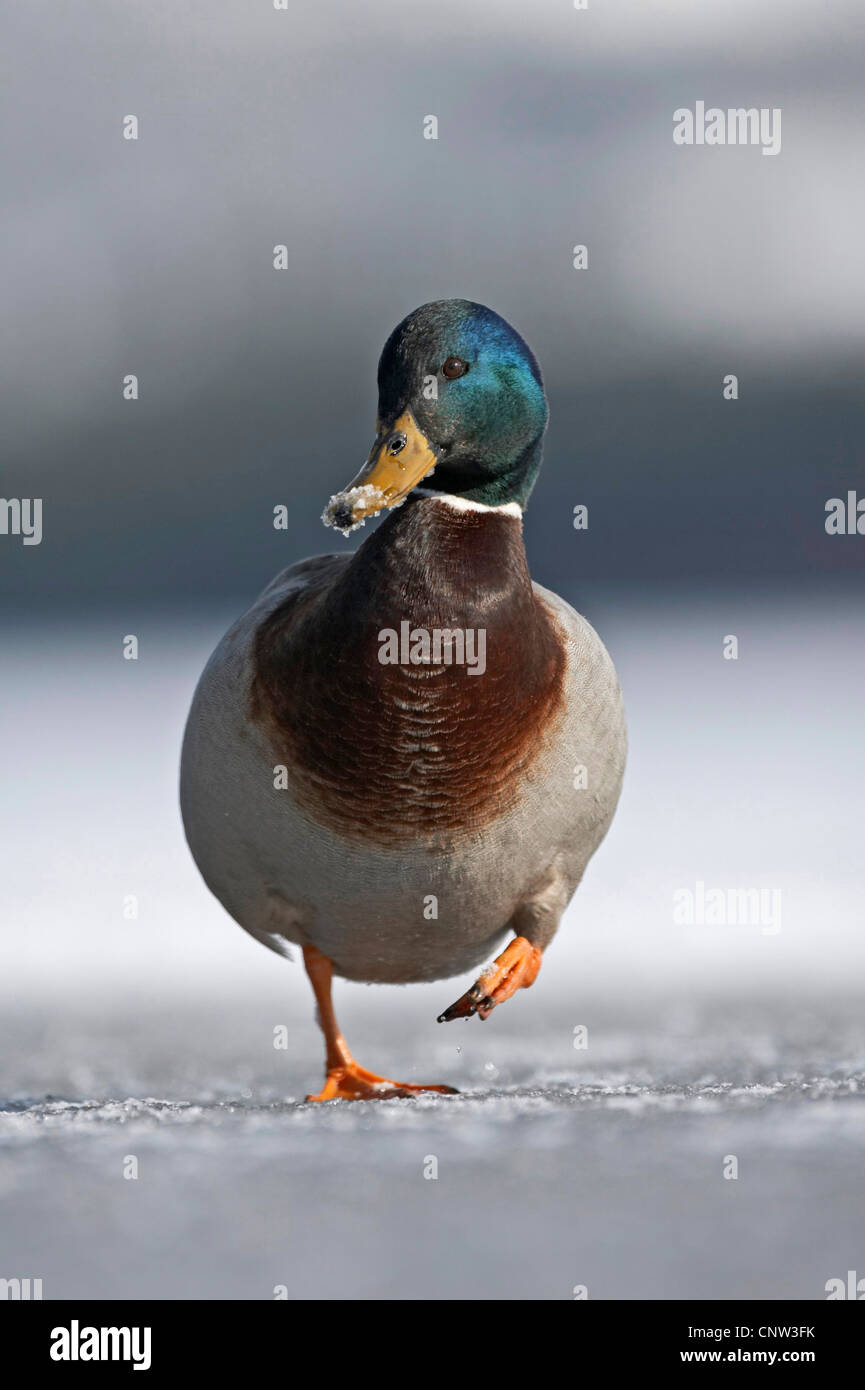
153	1036
304	128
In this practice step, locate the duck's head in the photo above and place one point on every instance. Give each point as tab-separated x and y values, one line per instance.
461	410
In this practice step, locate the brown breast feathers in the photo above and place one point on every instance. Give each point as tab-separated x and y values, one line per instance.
383	741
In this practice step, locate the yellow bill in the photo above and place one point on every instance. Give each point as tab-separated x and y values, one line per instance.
397	463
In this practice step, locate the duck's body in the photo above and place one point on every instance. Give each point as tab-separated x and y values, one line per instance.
348	853
394	803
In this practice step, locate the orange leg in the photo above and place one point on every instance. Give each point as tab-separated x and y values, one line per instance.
346	1079
516	968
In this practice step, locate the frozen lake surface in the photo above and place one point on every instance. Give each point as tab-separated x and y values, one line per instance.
602	1167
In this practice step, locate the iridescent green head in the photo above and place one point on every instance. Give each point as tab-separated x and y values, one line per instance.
462	410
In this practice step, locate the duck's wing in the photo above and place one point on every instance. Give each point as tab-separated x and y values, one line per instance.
593	736
216	741
302	576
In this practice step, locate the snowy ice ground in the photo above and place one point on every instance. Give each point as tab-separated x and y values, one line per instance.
556	1166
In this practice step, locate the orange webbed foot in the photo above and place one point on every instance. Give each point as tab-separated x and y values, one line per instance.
516	968
354	1082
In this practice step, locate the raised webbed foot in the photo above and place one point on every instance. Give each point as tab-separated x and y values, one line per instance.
516	968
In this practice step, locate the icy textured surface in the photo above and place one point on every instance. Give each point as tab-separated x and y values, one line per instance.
366	495
556	1167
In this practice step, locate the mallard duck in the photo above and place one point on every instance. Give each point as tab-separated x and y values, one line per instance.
399	757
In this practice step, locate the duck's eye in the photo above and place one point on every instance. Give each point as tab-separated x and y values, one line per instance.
454	367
